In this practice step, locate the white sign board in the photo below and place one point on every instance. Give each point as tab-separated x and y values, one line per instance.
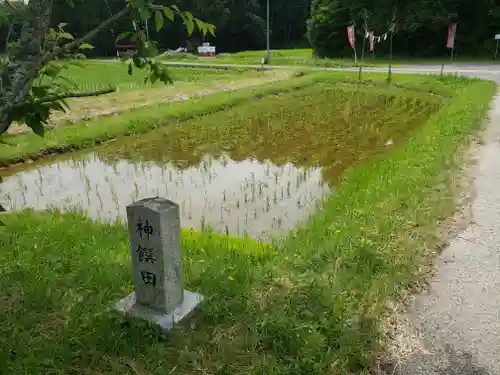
206	50
497	37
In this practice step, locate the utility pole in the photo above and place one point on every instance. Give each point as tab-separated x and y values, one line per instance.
268	44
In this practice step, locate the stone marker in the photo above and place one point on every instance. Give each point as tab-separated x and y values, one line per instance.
155	247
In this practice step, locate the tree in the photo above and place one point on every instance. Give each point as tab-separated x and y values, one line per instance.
31	86
421	25
326	27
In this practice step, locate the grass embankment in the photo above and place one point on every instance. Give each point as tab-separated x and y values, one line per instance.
312	306
84	134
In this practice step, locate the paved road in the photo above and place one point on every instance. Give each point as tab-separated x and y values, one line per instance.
459	318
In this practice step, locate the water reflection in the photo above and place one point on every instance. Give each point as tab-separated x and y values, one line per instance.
260	199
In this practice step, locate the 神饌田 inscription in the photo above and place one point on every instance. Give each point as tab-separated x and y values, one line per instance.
155	247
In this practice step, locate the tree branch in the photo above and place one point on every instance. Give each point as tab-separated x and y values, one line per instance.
66	95
22	68
92	33
12	6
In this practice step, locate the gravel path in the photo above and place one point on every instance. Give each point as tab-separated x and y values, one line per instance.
458	319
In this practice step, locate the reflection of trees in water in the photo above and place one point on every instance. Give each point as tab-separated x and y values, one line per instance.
226	195
333	130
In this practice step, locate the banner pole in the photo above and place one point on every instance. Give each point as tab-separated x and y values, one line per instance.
363	48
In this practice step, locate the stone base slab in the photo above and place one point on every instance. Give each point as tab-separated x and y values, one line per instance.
129	307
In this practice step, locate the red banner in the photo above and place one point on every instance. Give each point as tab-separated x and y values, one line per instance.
371	38
452	31
351	37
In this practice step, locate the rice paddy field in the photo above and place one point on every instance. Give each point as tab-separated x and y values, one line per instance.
132	92
308	205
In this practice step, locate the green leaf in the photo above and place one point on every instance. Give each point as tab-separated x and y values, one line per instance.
52	70
159	20
34	121
79	56
201	25
136	4
66	36
144	13
85	46
169	13
188	21
52	34
211	29
40	91
123	36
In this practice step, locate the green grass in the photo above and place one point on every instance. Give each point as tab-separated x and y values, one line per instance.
86	134
296	57
96	75
314	305
304	57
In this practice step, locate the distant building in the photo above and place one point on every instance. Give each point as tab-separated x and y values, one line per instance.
206	50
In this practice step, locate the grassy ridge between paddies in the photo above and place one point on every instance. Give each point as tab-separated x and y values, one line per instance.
14	149
314	305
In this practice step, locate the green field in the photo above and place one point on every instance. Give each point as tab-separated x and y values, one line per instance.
95	75
304	57
314	303
278	57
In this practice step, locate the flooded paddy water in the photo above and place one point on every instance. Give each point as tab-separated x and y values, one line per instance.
259	168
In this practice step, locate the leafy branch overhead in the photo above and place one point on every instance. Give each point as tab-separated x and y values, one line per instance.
32	86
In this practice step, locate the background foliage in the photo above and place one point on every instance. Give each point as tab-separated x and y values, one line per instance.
421	25
240	24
